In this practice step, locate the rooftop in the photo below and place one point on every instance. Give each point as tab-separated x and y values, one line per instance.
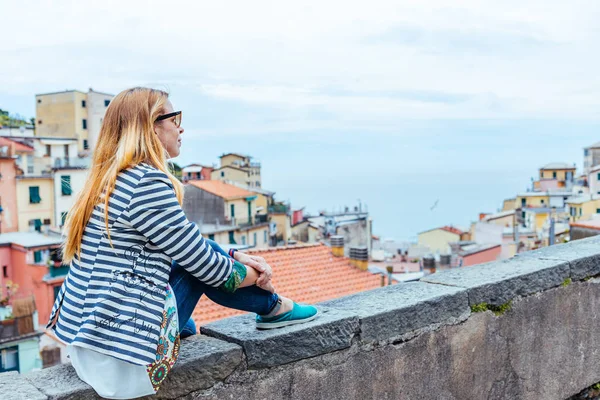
29	239
557	165
476	248
305	273
582	199
20	147
499	215
545	194
447	228
589	224
221	189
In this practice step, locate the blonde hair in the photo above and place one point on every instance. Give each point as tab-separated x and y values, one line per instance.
126	139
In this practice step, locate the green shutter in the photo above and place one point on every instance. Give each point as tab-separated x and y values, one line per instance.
34	194
37	223
231	238
37	256
211	236
65	184
232	207
63	218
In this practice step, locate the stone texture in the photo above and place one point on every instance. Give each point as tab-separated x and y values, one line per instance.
202	362
15	387
583	256
501	281
332	330
61	382
390	312
547	347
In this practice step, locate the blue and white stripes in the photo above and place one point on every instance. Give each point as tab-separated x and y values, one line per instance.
112	299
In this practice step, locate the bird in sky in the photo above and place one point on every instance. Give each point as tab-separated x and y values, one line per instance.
435	204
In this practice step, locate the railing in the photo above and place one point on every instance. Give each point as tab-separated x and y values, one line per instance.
278	208
262	218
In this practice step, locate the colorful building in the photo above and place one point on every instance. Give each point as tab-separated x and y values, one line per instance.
473	254
35	202
438	240
72	114
8	190
19	336
68	181
591	157
196	172
583	207
32	260
243	163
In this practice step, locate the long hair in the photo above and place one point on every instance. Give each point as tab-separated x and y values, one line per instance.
126	139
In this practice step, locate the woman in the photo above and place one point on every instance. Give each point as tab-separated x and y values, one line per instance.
138	266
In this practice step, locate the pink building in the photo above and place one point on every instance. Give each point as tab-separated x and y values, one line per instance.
478	254
9	150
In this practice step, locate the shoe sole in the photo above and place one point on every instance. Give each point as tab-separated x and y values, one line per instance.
274	325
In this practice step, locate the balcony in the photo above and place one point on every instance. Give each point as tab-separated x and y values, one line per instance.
278	209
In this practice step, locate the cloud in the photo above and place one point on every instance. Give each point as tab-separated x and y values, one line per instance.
333	64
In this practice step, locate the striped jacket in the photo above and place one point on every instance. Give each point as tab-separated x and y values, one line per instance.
113	296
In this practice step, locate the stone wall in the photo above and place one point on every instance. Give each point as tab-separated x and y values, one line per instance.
524	328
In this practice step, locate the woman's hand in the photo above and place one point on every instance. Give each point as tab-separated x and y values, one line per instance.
260	265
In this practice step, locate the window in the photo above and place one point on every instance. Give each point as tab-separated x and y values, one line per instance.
597	210
65	185
598	176
83	103
47	221
189	174
63	218
40	100
223	174
106	103
523	202
554	174
84	123
211	236
232	208
34	195
9	359
56	291
542	201
255	239
66	150
37	256
586	152
85	144
36	223
5	271
580	211
265	236
231	238
48	150
30	164
243	240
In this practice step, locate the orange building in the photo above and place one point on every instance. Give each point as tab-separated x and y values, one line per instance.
305	273
31	260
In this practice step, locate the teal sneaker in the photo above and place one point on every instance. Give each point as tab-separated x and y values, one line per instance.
298	315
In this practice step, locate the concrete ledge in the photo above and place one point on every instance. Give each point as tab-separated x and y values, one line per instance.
203	361
583	256
15	387
332	330
393	311
498	282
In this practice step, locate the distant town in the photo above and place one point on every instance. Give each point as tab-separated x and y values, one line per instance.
44	163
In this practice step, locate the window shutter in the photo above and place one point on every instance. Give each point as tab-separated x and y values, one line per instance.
65	184
34	194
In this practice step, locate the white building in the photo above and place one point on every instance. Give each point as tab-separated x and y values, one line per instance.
96	103
68	182
594	180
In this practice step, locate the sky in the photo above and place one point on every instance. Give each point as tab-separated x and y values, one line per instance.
397	103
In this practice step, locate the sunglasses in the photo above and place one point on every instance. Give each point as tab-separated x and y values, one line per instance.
176	114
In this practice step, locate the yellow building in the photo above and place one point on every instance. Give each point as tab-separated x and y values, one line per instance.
583	208
558	171
283	224
245	163
71	114
231	174
504	218
533	199
35	202
509	204
256	236
438	240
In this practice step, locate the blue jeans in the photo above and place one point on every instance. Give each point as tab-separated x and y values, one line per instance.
188	290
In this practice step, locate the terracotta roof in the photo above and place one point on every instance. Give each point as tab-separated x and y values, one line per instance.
18	146
221	189
452	229
304	273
